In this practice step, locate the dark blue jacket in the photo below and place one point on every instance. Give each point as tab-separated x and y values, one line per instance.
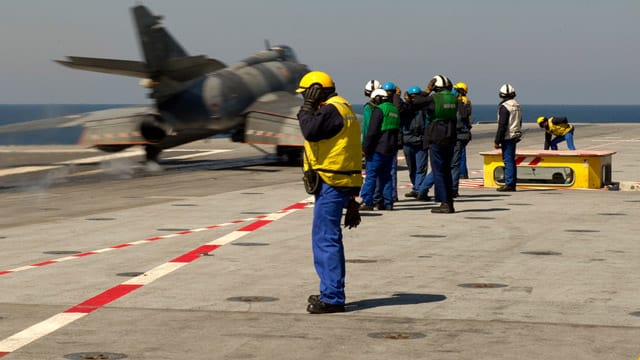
412	124
385	142
324	123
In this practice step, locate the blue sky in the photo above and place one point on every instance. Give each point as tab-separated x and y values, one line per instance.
553	52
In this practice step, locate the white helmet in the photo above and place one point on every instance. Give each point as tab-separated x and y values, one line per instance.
441	82
379	92
370	86
507	91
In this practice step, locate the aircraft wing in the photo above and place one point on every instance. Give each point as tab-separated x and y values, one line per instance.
272	119
179	69
104	127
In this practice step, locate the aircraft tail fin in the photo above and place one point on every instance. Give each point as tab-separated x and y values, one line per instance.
158	46
167	65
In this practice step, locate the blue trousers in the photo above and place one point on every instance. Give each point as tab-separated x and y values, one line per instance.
426	182
394	175
326	242
456	163
377	194
509	159
441	156
464	171
414	156
558	139
378	168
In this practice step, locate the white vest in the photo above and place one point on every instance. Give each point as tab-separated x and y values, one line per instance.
515	119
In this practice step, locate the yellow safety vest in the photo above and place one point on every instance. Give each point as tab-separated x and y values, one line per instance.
558	130
338	160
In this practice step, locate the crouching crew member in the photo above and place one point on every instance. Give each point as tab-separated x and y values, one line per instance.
333	173
558	127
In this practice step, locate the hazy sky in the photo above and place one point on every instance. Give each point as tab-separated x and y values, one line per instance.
551	51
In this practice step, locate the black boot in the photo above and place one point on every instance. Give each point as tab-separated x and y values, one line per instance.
506	188
322	307
445	208
411	194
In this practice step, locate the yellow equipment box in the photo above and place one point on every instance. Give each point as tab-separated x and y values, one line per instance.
582	169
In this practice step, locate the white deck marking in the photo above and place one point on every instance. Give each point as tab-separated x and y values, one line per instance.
93	159
189	156
37	331
25	169
58	321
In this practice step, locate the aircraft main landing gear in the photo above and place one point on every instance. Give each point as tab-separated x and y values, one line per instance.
152	153
292	155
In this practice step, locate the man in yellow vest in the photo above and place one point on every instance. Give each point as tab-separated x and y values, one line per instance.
333	173
463	136
558	127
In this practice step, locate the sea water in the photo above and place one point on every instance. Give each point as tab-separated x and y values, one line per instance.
481	113
574	113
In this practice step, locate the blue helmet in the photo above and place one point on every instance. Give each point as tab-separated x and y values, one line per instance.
389	86
414	90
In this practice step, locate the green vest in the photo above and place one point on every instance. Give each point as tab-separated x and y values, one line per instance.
446	106
391	116
366	115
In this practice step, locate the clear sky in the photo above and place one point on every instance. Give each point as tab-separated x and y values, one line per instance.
551	51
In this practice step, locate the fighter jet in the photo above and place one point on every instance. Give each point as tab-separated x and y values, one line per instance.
195	97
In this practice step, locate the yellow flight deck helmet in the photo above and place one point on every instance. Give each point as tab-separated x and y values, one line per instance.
540	120
462	86
315	77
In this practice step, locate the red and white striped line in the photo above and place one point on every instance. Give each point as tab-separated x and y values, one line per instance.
80	310
121	246
471	183
528	160
463	184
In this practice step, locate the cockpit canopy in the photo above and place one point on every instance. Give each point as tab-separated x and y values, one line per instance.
285	52
274	53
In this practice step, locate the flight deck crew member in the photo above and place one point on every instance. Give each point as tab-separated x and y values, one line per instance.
441	107
380	147
368	107
332	151
558	127
412	123
463	134
508	134
369	87
394	93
